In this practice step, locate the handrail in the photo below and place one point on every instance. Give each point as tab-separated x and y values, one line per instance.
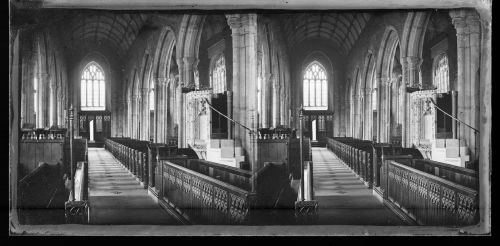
227	117
432	101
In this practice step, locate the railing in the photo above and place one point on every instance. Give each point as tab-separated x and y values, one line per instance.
428	199
230	175
458	175
203	199
133	154
476	131
308	183
252	132
76	208
232	185
357	154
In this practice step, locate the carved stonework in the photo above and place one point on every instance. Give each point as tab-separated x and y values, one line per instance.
419	107
76	212
306	212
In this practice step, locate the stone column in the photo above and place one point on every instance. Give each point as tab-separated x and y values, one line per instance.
367	109
485	125
122	119
161	118
276	101
266	102
468	29
244	33
474	25
411	78
43	81
411	74
354	110
128	118
347	115
229	114
52	106
180	116
386	116
133	126
458	20
145	114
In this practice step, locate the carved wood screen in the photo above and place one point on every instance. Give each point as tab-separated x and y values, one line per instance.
101	121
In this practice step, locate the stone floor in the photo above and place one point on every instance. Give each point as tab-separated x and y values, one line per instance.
117	198
344	199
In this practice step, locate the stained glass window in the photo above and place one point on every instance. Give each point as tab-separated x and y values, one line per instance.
92	92
218	75
315	88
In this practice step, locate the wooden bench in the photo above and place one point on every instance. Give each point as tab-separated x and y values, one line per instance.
41	195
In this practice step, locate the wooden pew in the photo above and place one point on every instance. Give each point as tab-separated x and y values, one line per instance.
41	195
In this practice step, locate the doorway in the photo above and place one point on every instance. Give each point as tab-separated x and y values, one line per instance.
314	130
91	126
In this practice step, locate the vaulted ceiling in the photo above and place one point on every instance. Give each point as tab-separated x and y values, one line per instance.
342	28
117	30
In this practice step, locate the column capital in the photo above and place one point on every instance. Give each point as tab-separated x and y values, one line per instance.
234	21
239	21
458	18
473	23
162	81
188	61
43	75
413	61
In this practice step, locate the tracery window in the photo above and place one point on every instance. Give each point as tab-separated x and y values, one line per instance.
315	87
92	88
441	74
218	75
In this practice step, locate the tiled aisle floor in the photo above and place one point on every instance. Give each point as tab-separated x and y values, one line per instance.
117	198
343	198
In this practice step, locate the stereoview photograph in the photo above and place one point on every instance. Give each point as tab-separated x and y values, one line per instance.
250	118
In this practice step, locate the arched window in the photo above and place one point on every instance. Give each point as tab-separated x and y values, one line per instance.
92	88
441	76
315	87
218	75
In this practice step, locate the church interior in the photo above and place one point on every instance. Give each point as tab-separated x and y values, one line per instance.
330	117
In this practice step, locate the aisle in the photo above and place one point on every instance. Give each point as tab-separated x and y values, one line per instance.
117	198
343	198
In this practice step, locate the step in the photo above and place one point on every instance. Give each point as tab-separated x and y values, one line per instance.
226	152
233	162
442	143
457	161
452	152
215	143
